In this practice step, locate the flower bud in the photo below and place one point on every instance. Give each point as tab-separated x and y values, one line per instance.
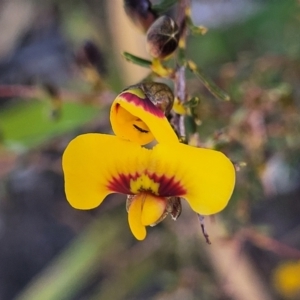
162	37
140	13
159	94
89	54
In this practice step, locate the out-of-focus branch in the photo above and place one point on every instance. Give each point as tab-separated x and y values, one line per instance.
268	243
8	160
28	92
239	278
19	91
70	271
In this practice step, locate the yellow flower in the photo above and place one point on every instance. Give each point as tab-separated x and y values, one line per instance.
287	279
135	118
96	165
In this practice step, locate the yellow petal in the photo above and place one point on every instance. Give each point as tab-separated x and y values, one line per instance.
287	280
158	68
135	218
135	118
96	165
153	208
205	178
178	107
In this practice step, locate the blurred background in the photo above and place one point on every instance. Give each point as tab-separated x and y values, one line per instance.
61	67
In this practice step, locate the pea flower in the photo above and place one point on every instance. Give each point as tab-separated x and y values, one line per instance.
96	165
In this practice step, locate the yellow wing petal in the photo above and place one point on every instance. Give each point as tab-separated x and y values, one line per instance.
205	178
135	118
96	165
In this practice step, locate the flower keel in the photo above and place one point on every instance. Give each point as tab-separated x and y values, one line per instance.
145	209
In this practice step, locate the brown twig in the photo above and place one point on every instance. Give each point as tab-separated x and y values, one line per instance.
18	91
204	232
180	89
24	91
28	92
238	277
268	243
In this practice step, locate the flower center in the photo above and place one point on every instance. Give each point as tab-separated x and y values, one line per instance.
144	184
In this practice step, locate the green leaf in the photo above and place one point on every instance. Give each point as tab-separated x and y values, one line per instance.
196	30
137	60
208	83
29	123
71	271
193	102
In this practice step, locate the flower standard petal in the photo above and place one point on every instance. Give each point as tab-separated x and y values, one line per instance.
204	177
96	165
134	117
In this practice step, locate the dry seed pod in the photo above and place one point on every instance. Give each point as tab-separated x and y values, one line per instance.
159	94
162	37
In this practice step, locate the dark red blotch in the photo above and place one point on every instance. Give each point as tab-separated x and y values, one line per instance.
145	103
168	186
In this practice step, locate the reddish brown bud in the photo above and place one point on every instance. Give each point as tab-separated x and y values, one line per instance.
162	37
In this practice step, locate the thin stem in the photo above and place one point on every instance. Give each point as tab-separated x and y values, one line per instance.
180	89
204	232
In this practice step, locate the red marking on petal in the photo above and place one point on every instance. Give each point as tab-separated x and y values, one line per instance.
121	183
145	103
168	186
